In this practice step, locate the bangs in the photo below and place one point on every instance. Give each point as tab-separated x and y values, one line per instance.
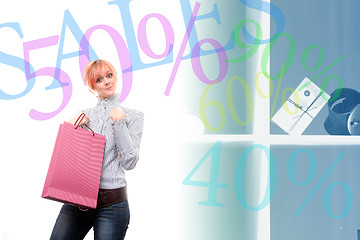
97	70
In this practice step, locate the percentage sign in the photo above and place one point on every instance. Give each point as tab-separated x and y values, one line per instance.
328	190
317	65
182	48
283	97
289	59
277	91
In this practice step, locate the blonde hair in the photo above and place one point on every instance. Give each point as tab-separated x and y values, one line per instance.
93	69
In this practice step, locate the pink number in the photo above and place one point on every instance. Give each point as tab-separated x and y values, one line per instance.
196	64
48	71
123	53
142	37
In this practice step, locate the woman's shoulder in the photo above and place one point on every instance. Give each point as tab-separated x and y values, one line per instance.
131	110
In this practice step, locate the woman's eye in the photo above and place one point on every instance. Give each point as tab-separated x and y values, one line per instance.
98	80
109	75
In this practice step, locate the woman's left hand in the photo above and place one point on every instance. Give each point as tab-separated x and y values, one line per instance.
117	114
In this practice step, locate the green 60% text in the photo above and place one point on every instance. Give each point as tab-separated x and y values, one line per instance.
253	47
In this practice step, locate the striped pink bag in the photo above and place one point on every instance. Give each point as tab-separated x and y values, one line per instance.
73	176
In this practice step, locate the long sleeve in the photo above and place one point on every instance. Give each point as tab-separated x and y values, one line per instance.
127	134
122	143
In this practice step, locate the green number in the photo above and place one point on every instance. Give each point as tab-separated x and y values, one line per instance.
249	100
289	59
214	103
253	47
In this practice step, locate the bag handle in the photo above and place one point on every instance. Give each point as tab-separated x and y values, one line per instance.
82	115
78	121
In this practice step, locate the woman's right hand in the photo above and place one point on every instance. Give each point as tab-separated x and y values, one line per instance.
85	120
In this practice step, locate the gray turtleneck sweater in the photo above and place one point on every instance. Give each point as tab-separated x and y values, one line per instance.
122	140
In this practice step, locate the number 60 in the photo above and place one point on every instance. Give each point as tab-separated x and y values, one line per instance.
230	102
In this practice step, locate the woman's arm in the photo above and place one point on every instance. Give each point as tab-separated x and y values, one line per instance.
127	134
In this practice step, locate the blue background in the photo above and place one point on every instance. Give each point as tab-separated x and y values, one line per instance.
331	24
313	222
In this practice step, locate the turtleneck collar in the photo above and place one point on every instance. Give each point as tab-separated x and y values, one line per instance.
108	99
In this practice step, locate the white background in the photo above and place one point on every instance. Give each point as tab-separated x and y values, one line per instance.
154	185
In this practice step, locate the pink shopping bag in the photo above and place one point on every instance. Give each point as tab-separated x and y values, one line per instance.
74	173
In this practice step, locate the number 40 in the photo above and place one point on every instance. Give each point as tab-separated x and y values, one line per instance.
213	183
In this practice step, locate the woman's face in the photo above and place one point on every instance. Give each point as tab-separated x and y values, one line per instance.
105	83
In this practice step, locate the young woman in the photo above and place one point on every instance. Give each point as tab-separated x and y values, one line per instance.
122	128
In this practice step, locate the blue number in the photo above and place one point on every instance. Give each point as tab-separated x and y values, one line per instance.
269	8
213	183
240	172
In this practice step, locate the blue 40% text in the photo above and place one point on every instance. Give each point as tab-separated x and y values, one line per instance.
213	183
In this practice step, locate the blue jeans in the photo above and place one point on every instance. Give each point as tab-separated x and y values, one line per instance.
109	223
